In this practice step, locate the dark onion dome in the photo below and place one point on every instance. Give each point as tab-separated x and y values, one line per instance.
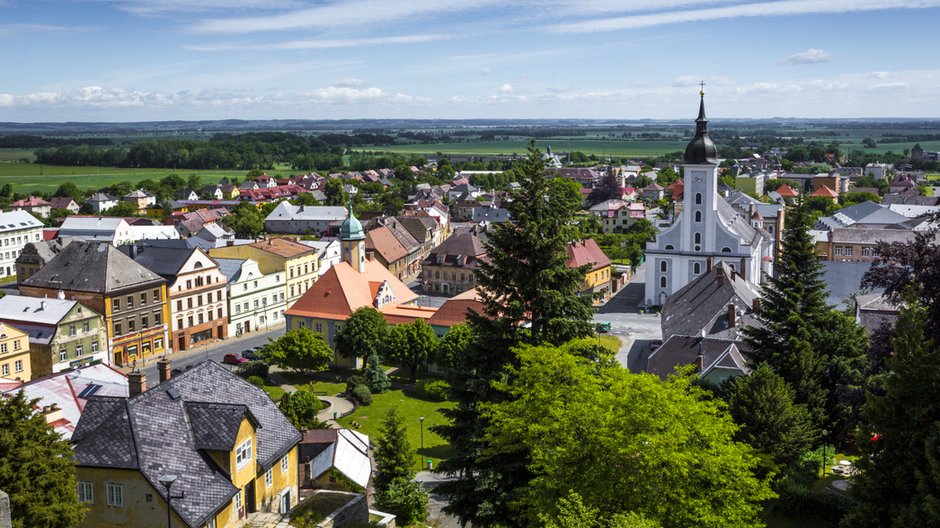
701	150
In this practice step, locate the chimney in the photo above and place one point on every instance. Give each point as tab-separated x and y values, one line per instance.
742	268
42	305
136	383
719	275
61	295
708	264
163	367
732	317
755	305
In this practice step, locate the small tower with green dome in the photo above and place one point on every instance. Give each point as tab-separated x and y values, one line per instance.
352	241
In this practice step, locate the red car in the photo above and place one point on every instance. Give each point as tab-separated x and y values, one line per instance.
232	359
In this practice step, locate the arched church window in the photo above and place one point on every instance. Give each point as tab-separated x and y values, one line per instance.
726	249
669	247
662	282
696	268
698	198
698	216
663	267
698	238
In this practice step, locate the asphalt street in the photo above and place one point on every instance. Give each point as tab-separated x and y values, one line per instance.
636	330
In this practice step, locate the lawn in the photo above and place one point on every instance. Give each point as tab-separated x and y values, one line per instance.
587	145
410	408
610	342
31	177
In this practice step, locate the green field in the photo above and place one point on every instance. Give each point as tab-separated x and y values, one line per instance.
588	145
7	155
33	178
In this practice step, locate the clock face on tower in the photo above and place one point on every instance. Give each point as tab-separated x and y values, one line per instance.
699	179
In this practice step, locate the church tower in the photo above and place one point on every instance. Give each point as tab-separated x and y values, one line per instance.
700	197
352	241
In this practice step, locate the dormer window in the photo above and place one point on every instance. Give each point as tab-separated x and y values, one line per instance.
243	454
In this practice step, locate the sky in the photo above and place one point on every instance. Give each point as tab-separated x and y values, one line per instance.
136	60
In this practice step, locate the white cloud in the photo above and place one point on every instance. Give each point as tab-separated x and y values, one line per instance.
322	43
164	7
15	29
351	14
758	9
506	88
810	56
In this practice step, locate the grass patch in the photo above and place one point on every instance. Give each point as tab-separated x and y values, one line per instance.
275	392
610	342
410	408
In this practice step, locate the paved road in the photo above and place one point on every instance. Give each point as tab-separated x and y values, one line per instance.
436	517
215	351
636	330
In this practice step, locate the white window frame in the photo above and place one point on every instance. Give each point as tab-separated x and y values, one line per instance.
285	465
115	494
86	492
269	477
243	454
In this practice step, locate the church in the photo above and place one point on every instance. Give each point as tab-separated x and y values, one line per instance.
707	231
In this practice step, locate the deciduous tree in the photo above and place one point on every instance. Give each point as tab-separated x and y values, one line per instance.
362	334
299	350
412	344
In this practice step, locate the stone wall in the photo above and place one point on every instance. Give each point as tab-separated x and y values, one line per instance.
355	511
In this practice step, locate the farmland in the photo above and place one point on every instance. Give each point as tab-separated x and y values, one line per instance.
588	145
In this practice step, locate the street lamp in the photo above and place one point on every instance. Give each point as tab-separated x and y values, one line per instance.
421	419
167	481
824	434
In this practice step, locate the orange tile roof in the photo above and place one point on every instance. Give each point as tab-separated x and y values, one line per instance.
825	191
283	247
399	314
586	252
342	290
454	310
786	191
383	241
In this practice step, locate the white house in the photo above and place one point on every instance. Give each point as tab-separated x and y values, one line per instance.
17	228
329	252
707	231
98	229
155	232
256	301
101	202
302	219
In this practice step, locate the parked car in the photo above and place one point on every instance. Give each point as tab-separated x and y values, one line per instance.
251	354
603	327
233	359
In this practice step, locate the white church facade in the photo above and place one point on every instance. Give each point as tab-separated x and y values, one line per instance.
708	230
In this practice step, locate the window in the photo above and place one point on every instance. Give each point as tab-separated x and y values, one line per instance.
243	455
143	299
189	302
130	301
79	350
158	344
94	346
866	252
698	216
71	330
156	295
189	284
282	296
319	328
144	322
63	354
115	495
16	344
726	249
210	523
199	300
256	303
269	477
218	295
238	308
131	326
849	251
244	287
179	305
284	463
696	268
211	314
85	326
669	247
157	318
201	318
190	320
698	198
115	304
85	492
663	266
237	502
838	251
698	238
18	365
662	282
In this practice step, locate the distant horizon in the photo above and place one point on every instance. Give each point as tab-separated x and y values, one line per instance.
127	61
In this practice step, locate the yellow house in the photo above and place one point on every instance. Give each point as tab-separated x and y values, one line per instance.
14	354
597	279
219	443
299	262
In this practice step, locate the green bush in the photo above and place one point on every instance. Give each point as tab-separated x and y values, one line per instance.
257	381
362	394
435	390
354	381
253	368
406	499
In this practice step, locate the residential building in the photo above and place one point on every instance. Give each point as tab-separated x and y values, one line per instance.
388	250
586	178
17	228
63	334
196	292
298	262
617	215
653	192
715	360
717	304
188	224
256	300
63	396
323	451
101	202
131	298
426	230
35	255
752	183
303	219
186	194
597	278
878	170
859	243
450	267
33	205
66	203
220	441
823	191
707	231
14	354
113	230
141	199
329	252
215	234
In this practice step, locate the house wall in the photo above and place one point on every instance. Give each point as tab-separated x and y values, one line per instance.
11	245
143	506
198	303
267	498
81	349
255	300
14	354
447	279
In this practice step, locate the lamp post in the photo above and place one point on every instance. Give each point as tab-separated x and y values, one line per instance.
824	434
420	455
167	481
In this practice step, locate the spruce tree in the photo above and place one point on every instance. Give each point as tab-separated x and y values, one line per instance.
37	468
529	296
394	458
897	485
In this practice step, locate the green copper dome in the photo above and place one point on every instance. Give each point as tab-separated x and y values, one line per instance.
351	228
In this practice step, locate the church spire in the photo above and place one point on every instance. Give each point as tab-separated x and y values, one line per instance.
701	150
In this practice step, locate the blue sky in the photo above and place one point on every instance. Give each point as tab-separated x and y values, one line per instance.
129	60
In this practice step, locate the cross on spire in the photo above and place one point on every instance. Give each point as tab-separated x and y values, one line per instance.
702	88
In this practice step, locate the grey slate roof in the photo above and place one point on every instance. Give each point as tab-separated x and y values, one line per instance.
844	280
231	268
162	260
92	267
167	440
702	305
682	350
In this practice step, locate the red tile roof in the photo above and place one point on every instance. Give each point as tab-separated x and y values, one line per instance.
384	242
283	247
454	310
786	191
586	252
825	192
